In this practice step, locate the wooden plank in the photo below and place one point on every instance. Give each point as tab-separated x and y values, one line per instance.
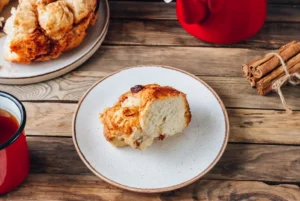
274	163
163	11
234	91
250	126
283	13
196	60
142	10
284	1
85	187
170	33
49	119
264	126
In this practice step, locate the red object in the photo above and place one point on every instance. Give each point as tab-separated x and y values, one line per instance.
14	165
14	155
221	21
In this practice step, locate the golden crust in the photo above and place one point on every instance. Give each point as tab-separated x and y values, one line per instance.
55	19
35	45
78	33
121	120
54	29
80	9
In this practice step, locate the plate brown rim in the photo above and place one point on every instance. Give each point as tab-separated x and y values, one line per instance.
103	34
152	190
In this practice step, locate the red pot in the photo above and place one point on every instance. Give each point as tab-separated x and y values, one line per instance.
14	155
221	21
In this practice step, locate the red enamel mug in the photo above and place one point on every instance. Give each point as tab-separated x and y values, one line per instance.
221	21
14	155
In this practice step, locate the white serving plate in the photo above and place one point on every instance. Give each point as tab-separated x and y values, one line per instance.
11	73
167	165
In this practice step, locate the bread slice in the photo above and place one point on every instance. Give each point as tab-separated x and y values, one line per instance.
144	114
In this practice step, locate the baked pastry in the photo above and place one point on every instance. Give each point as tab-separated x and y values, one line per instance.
40	30
146	113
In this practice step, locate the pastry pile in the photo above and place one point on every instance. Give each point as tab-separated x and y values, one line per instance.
144	114
40	30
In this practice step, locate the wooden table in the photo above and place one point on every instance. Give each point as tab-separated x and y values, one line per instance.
262	160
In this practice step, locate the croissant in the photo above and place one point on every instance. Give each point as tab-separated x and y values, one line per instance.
41	30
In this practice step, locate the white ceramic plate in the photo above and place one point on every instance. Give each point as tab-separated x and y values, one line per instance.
11	73
167	165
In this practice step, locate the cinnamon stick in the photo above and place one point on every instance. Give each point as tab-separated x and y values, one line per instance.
286	52
264	86
274	74
258	62
286	46
253	81
246	70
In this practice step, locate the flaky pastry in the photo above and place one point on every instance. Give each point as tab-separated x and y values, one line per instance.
40	30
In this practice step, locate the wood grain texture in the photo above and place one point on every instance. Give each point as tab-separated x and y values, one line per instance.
49	119
283	13
234	91
142	10
251	126
196	60
85	187
264	126
284	1
162	11
170	33
274	163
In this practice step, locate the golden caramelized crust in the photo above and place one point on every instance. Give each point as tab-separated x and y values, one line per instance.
40	30
55	19
132	120
120	120
74	37
31	47
81	8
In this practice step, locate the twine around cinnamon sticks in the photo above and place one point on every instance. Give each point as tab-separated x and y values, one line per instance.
275	70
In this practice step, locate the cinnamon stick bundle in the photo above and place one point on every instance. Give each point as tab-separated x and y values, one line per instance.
264	72
270	62
263	85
